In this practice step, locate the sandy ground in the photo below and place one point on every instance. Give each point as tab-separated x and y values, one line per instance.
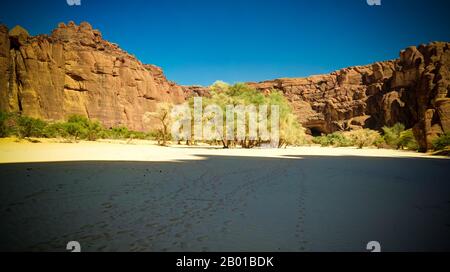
12	151
141	197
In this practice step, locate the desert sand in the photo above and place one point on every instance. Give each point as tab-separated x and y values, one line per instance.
53	150
113	196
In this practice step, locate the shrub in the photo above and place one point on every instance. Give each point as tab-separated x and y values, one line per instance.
119	133
340	139
392	135
81	127
407	140
76	130
30	127
138	135
94	131
56	130
442	142
321	140
336	139
364	137
4	128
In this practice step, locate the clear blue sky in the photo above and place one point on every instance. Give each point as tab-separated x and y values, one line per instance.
198	42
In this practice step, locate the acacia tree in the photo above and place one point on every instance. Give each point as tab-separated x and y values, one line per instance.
162	116
223	95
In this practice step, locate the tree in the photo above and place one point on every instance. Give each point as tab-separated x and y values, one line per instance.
80	127
290	129
364	137
162	115
442	142
240	94
407	140
30	127
4	130
392	135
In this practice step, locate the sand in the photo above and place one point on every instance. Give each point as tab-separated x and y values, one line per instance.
52	150
113	196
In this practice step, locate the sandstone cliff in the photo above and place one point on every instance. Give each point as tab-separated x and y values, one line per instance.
75	71
413	90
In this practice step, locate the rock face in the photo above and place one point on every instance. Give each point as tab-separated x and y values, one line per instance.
413	90
75	71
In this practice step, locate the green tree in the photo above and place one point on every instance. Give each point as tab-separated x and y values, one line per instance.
30	127
163	117
407	140
4	128
442	142
291	131
392	135
364	137
56	130
80	127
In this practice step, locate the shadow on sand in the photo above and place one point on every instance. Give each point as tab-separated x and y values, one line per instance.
220	203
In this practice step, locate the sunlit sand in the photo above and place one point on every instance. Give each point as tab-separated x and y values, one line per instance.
14	151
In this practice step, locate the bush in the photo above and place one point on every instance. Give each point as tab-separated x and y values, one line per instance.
442	142
364	137
30	127
407	140
4	129
392	135
119	133
81	127
336	139
77	127
94	131
321	140
56	130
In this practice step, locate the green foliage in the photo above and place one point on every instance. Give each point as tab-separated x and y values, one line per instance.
240	94
442	142
364	137
407	140
399	138
30	127
77	127
119	133
336	139
360	138
392	135
81	127
4	128
56	130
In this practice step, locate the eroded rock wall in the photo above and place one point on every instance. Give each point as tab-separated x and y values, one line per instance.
413	90
75	71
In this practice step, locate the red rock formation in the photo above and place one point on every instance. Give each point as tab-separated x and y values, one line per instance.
75	71
414	90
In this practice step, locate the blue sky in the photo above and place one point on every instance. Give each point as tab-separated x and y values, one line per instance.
198	41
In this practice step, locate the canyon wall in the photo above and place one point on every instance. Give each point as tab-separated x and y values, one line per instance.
75	71
413	90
